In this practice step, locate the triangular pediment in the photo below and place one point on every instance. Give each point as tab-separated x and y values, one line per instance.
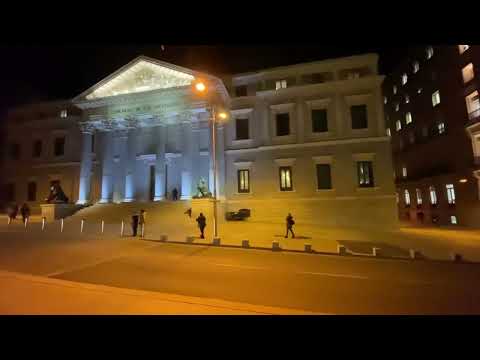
142	74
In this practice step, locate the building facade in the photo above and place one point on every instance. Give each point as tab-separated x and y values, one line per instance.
431	106
307	138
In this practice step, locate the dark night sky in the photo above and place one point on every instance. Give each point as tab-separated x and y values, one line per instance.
31	73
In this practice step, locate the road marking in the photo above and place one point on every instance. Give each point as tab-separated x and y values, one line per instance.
335	275
242	267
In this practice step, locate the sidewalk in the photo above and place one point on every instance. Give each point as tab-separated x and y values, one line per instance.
23	294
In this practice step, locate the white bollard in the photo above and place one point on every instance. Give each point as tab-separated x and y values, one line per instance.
43	223
245	244
216	241
164	238
122	229
456	257
341	250
376	252
81	226
275	246
190	239
61	225
414	254
103	226
308	248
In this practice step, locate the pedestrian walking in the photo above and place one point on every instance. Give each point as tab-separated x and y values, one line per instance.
141	221
15	211
10	212
290	223
202	223
134	224
25	212
189	213
175	194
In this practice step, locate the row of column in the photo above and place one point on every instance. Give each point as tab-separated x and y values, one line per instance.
127	143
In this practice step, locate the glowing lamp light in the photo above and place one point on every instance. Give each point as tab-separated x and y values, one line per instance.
222	115
200	87
463	181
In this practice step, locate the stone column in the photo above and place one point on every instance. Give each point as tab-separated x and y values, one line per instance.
195	157
210	160
119	188
130	164
220	161
187	138
107	168
160	164
85	168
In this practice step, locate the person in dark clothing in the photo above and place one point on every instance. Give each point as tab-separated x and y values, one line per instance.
189	212
11	212
15	211
175	194
25	211
290	223
202	223
134	224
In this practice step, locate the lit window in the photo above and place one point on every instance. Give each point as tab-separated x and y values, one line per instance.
397	106
243	181
63	113
398	125
436	98
416	67
419	90
453	220
365	174
404	171
286	178
389	133
407	198
281	84
441	127
408	118
419	196
385	100
450	193
394	89
473	102
407	99
433	195
463	48
404	78
467	73
429	52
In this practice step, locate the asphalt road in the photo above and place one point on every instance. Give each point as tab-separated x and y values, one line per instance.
319	283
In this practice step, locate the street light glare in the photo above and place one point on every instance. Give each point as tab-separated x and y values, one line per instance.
222	115
200	86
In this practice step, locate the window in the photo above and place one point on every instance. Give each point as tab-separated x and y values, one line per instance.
353	75
467	73
324	179
243	181
407	99
404	171
365	174
10	192
241	90
419	196
408	118
319	120
433	196
463	48
400	143
450	194
397	106
15	151
441	128
453	220
404	78
473	103
359	116
59	146
280	84
385	100
241	128
285	178
394	89
425	131
283	124
429	52
398	125
389	133
32	191
407	198
436	98
37	148
411	137
63	113
416	67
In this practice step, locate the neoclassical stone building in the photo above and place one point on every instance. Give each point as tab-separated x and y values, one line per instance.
307	138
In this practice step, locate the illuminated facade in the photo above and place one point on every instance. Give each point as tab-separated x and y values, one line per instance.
307	138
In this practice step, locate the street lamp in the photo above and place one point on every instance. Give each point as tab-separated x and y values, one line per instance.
201	88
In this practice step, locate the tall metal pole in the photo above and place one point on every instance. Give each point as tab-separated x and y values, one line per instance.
214	160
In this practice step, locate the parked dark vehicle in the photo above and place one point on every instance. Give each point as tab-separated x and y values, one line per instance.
240	215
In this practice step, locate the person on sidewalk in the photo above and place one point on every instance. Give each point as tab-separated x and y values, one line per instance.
25	211
189	212
175	194
141	221
290	223
134	224
10	213
202	223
